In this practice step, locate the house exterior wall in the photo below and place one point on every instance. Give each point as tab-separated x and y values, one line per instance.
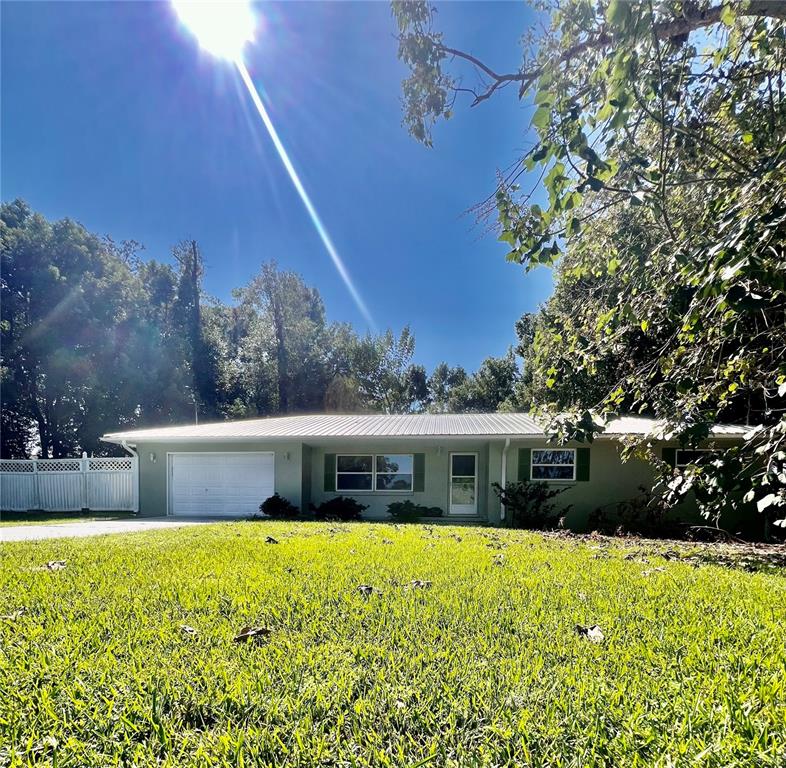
610	480
299	474
153	500
437	457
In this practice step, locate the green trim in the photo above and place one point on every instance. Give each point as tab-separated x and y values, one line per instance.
582	464
525	457
669	455
330	472
419	472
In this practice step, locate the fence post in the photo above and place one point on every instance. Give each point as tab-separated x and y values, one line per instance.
135	483
84	465
36	486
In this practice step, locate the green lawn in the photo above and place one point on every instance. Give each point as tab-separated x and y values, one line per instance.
484	668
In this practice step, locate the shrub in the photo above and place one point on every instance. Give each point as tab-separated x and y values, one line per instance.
279	507
407	511
529	504
643	515
339	508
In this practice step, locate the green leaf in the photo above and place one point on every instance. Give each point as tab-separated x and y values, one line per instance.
618	13
542	117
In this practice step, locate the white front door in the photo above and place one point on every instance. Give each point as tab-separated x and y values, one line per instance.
219	484
463	484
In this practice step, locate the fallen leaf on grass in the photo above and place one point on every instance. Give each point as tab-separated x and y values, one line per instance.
636	557
187	630
592	633
271	540
418	584
367	590
55	565
650	571
14	615
499	560
257	634
670	554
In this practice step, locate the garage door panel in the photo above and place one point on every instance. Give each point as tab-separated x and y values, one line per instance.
220	484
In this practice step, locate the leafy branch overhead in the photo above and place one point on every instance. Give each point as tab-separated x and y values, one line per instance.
657	181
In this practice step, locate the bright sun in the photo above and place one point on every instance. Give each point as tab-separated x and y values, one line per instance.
222	28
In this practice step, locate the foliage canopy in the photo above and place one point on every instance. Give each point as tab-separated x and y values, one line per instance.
660	162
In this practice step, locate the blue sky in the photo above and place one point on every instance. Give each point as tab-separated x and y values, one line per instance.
111	115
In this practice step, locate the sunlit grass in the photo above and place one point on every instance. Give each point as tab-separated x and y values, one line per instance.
482	668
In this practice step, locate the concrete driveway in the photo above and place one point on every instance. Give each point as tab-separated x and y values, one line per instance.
91	528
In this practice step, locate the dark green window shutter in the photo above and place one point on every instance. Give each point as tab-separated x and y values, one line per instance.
669	455
419	472
524	464
330	471
582	464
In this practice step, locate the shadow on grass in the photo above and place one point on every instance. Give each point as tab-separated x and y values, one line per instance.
44	518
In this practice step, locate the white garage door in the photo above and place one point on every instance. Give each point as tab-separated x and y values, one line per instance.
219	484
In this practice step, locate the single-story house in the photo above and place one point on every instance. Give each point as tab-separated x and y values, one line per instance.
438	460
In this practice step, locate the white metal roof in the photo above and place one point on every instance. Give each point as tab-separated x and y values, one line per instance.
638	425
378	425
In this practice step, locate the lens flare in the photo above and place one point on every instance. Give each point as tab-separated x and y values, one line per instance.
298	184
223	29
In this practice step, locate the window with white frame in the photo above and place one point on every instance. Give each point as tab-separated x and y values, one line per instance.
553	464
355	473
388	473
685	457
394	472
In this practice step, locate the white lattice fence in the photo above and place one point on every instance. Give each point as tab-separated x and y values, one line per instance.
69	485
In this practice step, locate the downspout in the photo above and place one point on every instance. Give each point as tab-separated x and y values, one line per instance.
135	455
504	475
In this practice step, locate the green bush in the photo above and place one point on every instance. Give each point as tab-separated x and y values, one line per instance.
407	511
340	508
529	505
279	507
643	515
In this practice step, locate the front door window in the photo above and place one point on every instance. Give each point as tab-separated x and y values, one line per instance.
463	484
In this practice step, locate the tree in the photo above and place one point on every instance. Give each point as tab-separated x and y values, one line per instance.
187	316
490	388
296	314
441	383
661	144
70	335
384	373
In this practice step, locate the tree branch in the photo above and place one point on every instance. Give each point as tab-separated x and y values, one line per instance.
775	9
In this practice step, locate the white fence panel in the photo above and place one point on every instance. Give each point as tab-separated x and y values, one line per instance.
69	485
60	485
18	486
112	484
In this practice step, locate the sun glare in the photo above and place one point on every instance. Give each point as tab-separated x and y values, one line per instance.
222	28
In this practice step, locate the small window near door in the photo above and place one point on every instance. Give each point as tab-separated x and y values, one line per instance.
553	464
354	473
